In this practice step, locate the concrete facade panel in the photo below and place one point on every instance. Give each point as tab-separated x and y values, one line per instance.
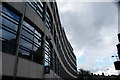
19	6
8	62
29	13
29	69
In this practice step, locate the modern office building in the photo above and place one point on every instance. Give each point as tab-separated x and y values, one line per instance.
34	43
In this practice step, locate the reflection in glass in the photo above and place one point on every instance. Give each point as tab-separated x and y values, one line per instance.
10	13
26	44
9	24
30	42
47	53
9	30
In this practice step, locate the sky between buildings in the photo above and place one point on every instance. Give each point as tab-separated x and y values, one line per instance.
91	28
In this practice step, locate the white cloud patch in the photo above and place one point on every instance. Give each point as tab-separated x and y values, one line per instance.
109	70
91	28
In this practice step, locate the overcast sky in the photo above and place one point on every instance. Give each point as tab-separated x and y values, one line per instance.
91	28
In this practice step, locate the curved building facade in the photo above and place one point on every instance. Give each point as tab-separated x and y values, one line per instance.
34	44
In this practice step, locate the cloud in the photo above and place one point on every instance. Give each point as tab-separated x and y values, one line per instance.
88	1
108	70
91	28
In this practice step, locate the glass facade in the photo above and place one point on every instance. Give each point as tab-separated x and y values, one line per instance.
34	44
30	39
30	42
9	30
48	52
48	20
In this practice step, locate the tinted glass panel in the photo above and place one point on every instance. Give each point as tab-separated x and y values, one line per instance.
27	34
10	13
31	43
28	26
9	30
9	24
26	44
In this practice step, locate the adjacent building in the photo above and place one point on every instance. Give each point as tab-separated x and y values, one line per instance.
34	43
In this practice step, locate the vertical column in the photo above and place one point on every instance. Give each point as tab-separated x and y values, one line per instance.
17	43
43	48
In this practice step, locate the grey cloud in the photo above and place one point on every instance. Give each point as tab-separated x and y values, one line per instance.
90	26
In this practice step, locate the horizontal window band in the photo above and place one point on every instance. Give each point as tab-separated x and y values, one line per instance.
9	31
9	28
37	45
9	16
16	23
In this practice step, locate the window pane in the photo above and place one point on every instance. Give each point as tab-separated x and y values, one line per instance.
9	24
28	35
28	26
35	48
47	53
46	63
10	13
37	34
26	44
7	35
38	41
9	30
23	52
8	42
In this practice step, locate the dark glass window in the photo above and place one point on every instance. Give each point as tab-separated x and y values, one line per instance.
9	30
47	53
48	20
30	43
10	13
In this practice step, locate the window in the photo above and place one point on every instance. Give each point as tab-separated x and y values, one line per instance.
48	20
9	30
30	43
47	53
36	6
